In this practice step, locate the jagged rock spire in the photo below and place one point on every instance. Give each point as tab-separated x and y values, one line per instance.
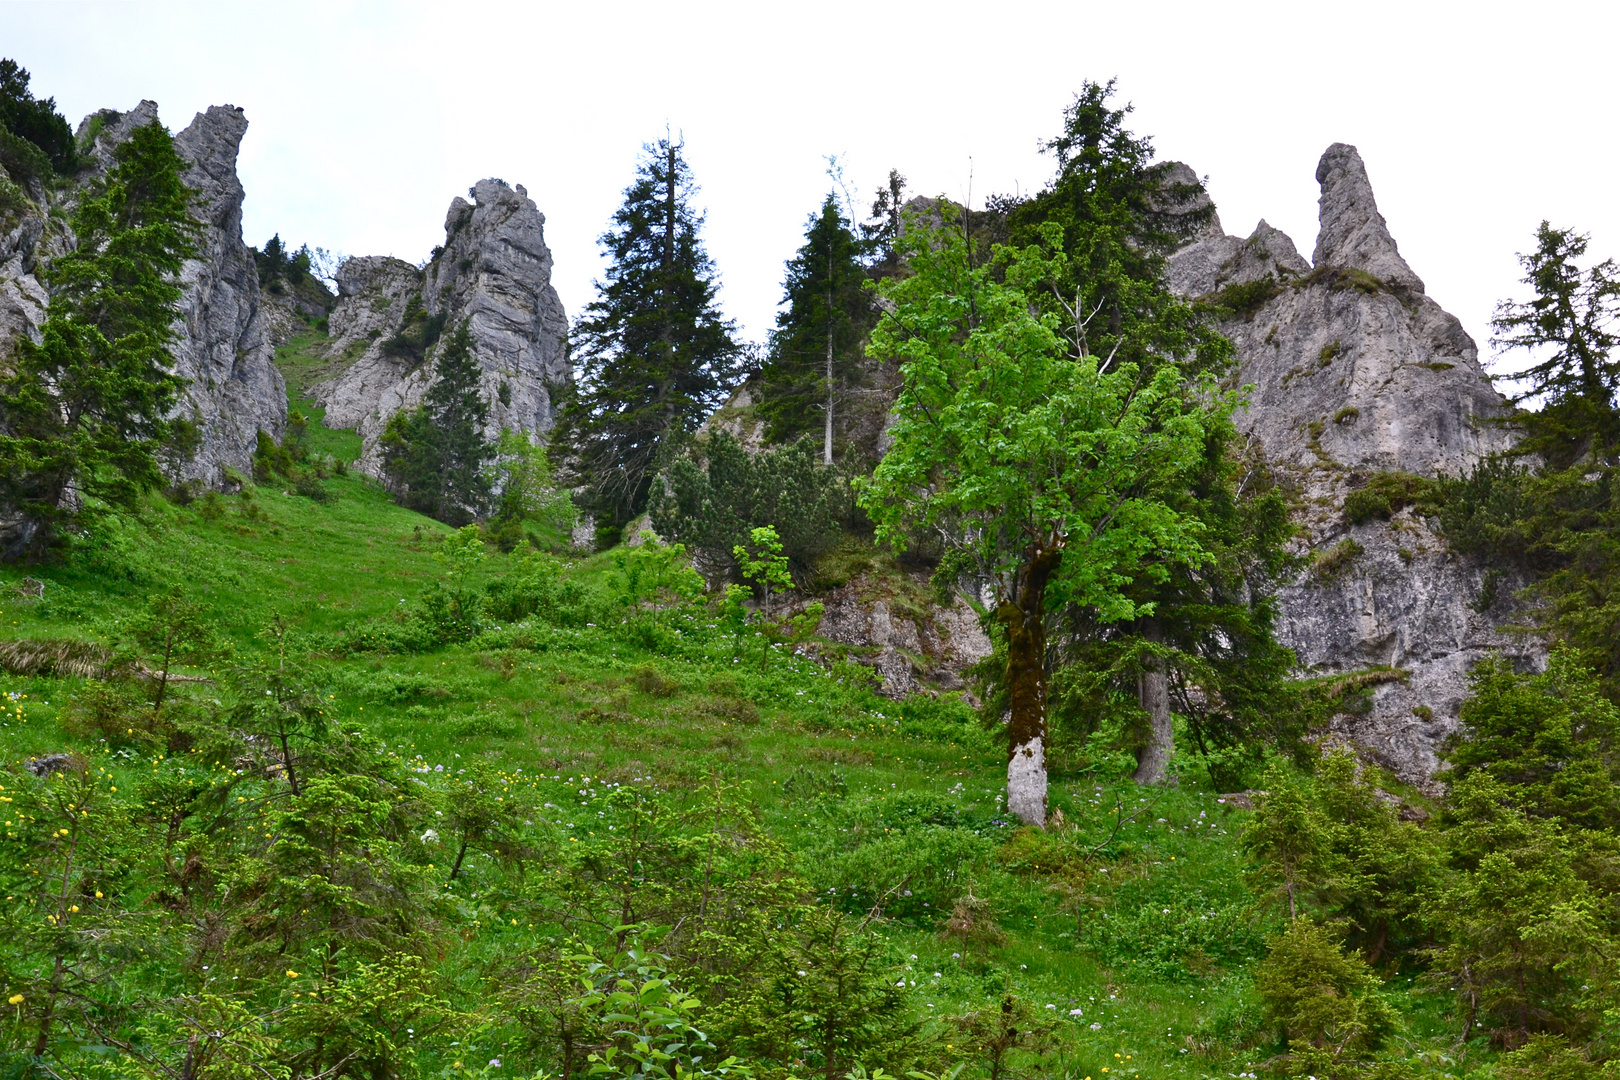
1353	233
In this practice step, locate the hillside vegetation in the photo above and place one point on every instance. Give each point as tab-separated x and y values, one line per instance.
622	729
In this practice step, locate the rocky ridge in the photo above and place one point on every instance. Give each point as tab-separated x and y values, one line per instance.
234	389
494	271
1355	372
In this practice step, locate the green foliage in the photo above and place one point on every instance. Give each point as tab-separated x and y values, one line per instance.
418	333
481	814
1329	847
1569	326
1387	492
1332	563
87	410
1544	1057
653	353
1002	1033
713	507
762	563
280	268
1524	919
1119	214
173	631
1001	434
1550	740
528	494
1328	1003
817	347
454	605
435	454
1210	635
651	1021
35	139
829	1000
1245	298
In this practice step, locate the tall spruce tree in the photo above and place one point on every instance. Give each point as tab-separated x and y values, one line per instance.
654	353
882	229
85	412
1120	214
435	454
1572	326
817	346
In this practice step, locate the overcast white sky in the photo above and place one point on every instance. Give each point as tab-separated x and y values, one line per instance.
1476	120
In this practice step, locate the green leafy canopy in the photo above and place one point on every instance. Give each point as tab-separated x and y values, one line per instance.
1010	436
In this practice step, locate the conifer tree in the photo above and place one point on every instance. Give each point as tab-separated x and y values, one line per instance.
882	229
1572	327
86	411
435	454
654	353
816	348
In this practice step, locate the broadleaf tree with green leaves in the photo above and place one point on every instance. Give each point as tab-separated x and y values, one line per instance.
1044	468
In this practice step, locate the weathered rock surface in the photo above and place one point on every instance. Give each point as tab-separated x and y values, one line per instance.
1354	371
233	389
909	650
494	272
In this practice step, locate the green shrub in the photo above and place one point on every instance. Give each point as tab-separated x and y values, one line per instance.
1343	279
1331	563
915	874
1245	298
1321	996
417	333
1388	492
1346	414
1176	935
712	508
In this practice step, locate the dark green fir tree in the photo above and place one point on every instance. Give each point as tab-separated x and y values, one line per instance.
820	336
86	412
435	454
35	139
653	353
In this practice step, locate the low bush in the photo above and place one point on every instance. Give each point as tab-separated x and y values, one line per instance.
1389	492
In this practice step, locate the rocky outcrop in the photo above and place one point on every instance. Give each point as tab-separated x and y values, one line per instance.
1355	372
910	647
494	273
233	388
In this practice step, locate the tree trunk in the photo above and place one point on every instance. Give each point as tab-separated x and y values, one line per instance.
1153	691
1024	622
827	438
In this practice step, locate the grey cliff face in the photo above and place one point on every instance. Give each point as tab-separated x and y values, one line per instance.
494	272
233	388
373	293
1353	371
1351	231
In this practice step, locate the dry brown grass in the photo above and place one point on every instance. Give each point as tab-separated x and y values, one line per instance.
54	656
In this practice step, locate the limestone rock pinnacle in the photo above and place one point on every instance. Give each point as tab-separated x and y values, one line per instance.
1353	233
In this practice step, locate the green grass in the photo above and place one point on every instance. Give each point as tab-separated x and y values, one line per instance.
1123	938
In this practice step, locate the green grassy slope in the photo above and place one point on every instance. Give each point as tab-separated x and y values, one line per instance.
1142	953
